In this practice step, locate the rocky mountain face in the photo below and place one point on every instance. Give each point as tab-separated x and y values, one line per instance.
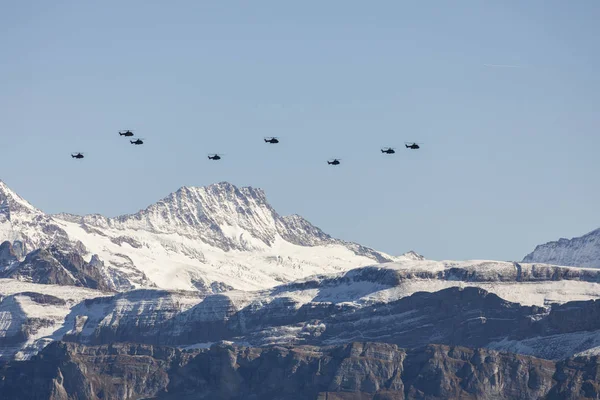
205	212
9	255
454	316
354	371
401	303
55	267
582	251
218	236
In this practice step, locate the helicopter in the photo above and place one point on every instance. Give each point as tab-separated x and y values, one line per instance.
335	161
78	156
272	140
127	133
412	146
389	150
137	141
214	157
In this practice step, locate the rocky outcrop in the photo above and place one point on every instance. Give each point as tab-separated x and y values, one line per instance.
56	267
364	371
8	255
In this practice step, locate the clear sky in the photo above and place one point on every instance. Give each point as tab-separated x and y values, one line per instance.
511	153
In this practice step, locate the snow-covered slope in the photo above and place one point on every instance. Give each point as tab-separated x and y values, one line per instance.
582	251
211	239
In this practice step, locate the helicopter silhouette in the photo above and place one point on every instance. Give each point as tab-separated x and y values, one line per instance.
389	150
335	161
136	142
78	156
214	157
412	146
127	133
272	140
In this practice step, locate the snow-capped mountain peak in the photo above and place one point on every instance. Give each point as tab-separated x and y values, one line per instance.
23	225
218	236
412	255
221	215
11	203
581	251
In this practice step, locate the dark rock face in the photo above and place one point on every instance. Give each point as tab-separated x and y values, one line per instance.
356	371
571	317
41	267
470	317
43	298
56	267
8	255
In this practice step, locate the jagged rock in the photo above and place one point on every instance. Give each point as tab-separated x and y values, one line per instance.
55	267
8	256
41	267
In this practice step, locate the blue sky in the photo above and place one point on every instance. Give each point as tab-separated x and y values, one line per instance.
510	155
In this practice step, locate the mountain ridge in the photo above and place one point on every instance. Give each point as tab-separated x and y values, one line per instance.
581	251
535	309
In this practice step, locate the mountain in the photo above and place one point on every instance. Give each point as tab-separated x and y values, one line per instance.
355	371
211	238
210	289
582	251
